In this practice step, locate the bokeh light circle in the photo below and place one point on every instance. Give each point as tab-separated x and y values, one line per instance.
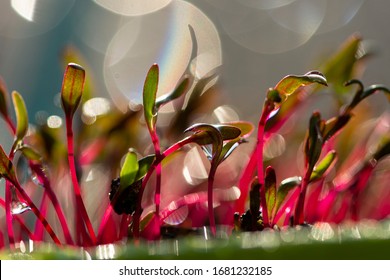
27	18
277	29
164	38
133	7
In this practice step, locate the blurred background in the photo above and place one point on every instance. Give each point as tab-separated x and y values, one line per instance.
256	43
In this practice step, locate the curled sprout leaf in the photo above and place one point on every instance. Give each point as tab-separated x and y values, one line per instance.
323	166
205	133
289	84
180	90
72	88
21	116
149	97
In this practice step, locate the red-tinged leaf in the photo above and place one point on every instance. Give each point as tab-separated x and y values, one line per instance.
314	141
270	191
289	84
72	88
149	96
254	198
21	116
283	190
180	90
3	99
6	168
323	167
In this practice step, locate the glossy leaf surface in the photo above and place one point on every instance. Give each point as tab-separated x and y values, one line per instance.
289	84
72	88
324	165
270	190
21	115
129	170
149	96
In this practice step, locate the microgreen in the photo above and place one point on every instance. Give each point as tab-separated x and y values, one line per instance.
146	193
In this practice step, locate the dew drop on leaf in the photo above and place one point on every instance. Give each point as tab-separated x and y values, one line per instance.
18	207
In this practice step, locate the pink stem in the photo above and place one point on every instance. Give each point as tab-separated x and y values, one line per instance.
8	214
21	222
80	207
157	161
57	206
210	200
260	168
39	230
37	213
245	181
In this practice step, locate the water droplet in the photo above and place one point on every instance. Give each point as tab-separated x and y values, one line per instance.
18	207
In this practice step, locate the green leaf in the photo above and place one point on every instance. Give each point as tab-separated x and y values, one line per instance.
30	153
289	84
246	128
284	188
129	170
3	99
21	116
270	191
143	166
6	168
72	88
181	89
149	96
340	67
314	141
323	166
